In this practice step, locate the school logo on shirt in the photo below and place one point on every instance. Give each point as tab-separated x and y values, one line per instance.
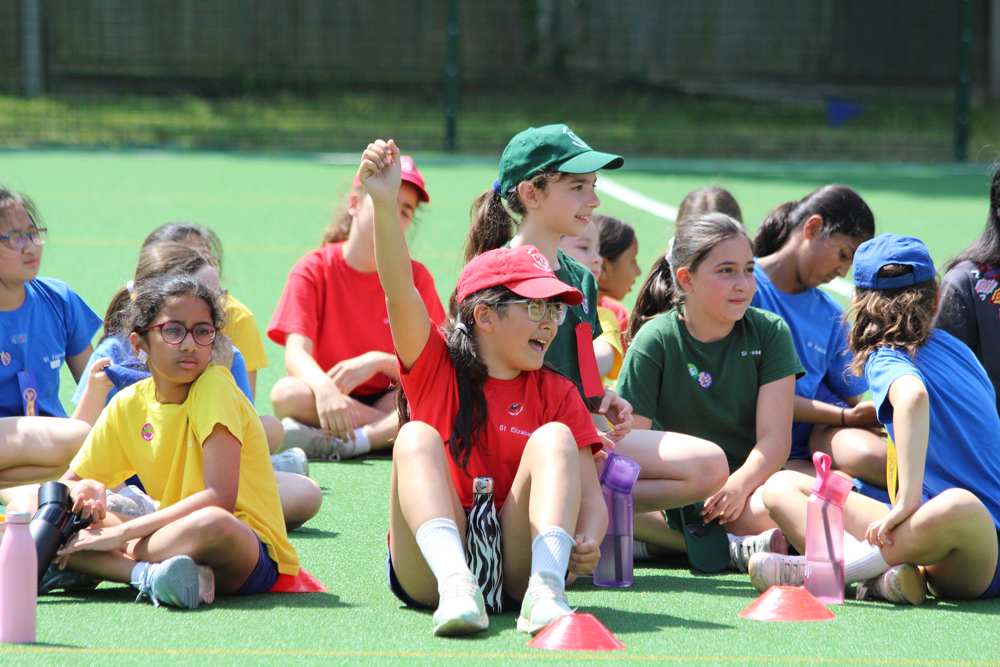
147	432
991	271
586	309
693	370
17	339
704	379
5	358
515	409
984	287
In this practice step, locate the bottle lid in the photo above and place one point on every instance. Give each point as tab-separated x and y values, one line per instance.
829	485
53	492
482	485
17	517
620	473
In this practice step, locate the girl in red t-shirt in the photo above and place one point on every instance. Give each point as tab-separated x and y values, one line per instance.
478	385
336	401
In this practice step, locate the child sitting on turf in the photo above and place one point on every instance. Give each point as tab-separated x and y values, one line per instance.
714	368
608	347
241	327
479	404
933	397
337	401
43	325
799	246
619	247
197	444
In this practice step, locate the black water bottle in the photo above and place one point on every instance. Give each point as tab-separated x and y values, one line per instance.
53	523
484	544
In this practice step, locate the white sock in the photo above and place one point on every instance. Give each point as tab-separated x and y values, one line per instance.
362	445
733	538
640	551
862	560
442	548
550	551
139	573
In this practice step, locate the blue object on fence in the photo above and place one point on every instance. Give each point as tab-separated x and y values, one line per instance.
839	112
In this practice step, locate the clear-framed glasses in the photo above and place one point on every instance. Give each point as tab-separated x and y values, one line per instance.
17	240
537	308
174	333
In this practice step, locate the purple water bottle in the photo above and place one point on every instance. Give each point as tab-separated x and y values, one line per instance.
18	583
617	480
825	533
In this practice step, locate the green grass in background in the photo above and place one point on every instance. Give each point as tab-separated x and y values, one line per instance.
268	212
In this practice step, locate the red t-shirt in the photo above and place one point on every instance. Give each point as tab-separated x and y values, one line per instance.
620	311
516	408
342	311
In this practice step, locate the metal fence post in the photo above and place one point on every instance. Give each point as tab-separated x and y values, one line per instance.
963	108
451	78
32	75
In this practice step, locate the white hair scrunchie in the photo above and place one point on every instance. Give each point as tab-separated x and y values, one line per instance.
670	250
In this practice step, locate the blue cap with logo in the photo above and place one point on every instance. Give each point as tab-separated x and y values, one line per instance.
887	249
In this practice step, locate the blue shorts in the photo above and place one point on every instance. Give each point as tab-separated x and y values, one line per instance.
262	579
994	587
510	604
802	431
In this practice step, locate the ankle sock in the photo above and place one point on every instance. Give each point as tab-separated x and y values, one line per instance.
639	550
139	573
733	538
441	545
550	551
362	445
862	560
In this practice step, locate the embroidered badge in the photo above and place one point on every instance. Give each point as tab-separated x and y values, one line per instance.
693	370
992	271
147	432
515	409
704	379
995	299
985	287
5	358
584	304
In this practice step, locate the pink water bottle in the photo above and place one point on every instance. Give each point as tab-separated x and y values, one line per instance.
825	533
18	581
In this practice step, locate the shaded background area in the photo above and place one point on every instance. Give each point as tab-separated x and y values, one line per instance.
818	79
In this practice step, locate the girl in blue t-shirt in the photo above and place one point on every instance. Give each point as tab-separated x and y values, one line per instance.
935	399
800	246
43	325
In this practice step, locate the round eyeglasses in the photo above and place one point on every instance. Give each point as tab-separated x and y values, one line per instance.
174	333
18	240
538	307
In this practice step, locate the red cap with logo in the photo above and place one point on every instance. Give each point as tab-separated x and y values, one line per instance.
409	175
523	270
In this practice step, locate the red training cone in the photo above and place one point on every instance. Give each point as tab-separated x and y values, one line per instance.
576	632
303	582
786	603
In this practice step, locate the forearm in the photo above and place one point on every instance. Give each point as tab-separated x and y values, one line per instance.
388	365
301	366
392	257
764	460
605	354
149	524
810	411
911	426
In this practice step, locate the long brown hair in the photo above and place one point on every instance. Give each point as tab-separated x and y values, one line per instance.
842	209
339	227
986	248
897	318
708	200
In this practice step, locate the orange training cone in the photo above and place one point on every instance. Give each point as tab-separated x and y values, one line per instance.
576	632
303	582
786	603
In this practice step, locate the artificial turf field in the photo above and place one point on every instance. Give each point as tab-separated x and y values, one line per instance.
268	212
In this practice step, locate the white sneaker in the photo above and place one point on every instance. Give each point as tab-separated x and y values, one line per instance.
130	503
544	602
742	548
769	569
178	582
291	460
317	445
900	584
461	608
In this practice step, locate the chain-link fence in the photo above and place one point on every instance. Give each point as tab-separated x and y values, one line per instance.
847	79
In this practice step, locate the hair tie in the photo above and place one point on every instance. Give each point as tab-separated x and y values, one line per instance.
670	250
496	188
130	287
461	327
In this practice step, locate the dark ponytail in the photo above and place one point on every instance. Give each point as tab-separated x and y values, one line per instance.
842	209
614	236
470	372
493	214
655	296
985	249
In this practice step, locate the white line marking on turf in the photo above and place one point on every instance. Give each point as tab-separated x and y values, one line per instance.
640	201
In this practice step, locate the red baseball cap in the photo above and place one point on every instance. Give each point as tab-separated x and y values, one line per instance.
410	175
523	270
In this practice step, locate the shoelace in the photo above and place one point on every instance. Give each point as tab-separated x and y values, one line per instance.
548	591
457	586
790	570
324	441
146	589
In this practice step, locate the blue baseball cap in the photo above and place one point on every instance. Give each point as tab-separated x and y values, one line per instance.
886	249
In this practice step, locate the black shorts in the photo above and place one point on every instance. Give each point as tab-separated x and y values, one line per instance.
371	399
510	604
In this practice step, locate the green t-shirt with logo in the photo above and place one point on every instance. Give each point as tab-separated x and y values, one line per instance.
708	390
562	353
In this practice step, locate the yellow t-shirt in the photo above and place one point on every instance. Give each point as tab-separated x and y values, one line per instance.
137	435
611	336
242	330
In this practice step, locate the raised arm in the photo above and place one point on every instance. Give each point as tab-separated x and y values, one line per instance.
408	317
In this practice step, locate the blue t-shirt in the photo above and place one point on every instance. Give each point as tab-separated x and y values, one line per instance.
130	370
963	448
820	338
53	323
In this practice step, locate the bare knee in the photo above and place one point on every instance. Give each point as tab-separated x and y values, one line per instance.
286	393
711	469
417	440
211	526
552	439
781	486
274	431
302	503
954	510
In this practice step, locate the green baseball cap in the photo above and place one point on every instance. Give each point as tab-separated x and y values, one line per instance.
550	147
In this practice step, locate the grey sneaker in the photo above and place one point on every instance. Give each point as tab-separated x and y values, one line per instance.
291	460
768	569
317	445
900	584
461	608
178	582
69	580
130	503
741	549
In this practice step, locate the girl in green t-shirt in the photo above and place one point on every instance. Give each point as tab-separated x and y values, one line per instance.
714	368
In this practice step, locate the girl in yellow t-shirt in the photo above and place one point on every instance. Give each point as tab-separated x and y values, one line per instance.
197	444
